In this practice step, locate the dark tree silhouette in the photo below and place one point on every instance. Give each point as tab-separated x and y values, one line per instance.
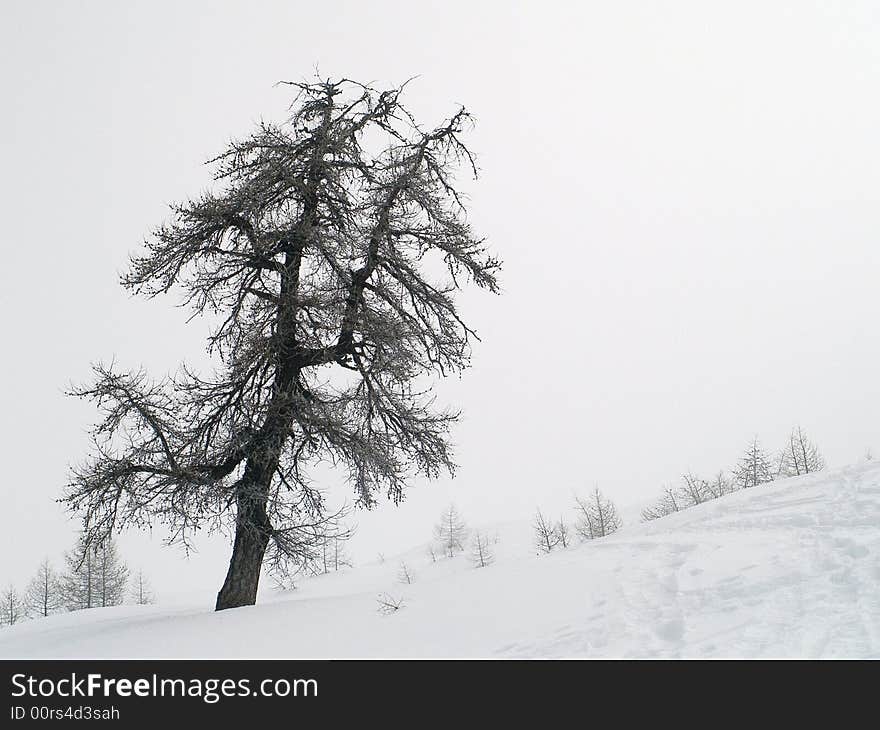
329	256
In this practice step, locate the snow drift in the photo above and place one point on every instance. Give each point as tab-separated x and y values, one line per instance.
789	569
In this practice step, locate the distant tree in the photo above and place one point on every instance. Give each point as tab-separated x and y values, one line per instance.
78	581
720	485
754	467
111	575
316	547
694	490
666	505
597	516
869	455
432	553
44	594
481	553
562	532
141	591
546	537
13	607
451	532
405	574
339	556
800	455
95	576
330	555
331	251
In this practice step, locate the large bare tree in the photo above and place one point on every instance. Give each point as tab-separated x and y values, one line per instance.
330	253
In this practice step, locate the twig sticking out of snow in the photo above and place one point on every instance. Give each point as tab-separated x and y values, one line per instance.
388	603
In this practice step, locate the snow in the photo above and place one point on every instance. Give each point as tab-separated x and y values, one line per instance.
790	569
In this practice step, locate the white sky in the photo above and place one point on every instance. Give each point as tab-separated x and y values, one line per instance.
685	198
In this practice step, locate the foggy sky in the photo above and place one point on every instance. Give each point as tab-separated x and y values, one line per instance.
685	199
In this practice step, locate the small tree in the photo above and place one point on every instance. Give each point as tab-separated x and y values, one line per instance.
754	467
562	532
141	591
694	490
78	581
316	547
13	607
666	505
44	595
597	516
111	575
800	455
546	537
405	574
481	554
720	485
451	532
432	553
338	555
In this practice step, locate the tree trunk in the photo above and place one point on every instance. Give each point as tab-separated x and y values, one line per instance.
251	539
252	525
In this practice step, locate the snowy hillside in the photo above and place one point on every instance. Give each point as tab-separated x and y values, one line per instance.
790	569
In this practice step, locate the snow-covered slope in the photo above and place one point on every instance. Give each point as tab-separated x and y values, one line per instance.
790	569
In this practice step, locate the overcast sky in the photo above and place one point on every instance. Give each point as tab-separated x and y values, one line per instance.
684	194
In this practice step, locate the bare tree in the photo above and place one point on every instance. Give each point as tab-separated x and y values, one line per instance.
331	555
720	485
754	467
800	455
405	574
694	490
546	537
44	595
562	532
13	608
111	575
95	575
329	255
451	532
481	553
141	591
666	505
597	516
319	550
78	581
432	553
341	558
